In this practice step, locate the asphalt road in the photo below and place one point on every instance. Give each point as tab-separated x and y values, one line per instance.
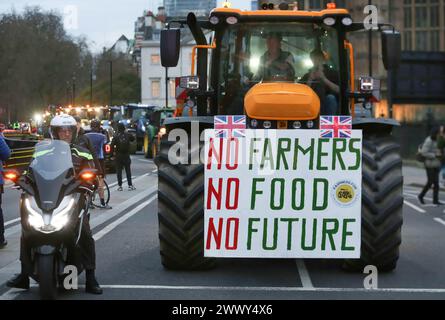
129	263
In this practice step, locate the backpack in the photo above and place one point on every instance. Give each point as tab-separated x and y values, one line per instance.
123	143
419	155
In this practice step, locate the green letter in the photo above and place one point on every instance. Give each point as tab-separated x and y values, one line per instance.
267	154
275	235
250	231
325	195
289	231
358	155
272	196
336	153
309	150
346	234
253	151
255	192
329	232
314	236
321	154
282	153
294	191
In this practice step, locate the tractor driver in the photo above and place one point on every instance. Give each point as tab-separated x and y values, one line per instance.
324	81
276	64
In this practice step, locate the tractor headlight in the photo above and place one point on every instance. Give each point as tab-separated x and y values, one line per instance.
162	131
267	124
297	125
310	124
254	123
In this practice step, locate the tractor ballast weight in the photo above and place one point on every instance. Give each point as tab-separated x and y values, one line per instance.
181	186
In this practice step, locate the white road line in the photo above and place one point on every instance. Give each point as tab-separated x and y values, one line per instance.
115	183
7	223
145	160
304	274
274	289
154	171
122	219
409	204
439	220
12	293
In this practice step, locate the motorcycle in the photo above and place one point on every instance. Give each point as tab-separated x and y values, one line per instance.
53	204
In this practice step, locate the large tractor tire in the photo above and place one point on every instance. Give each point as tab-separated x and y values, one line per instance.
181	213
382	203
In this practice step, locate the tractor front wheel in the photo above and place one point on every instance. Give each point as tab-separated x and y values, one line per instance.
181	212
382	204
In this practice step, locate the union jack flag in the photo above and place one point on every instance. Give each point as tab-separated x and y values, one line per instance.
336	127
230	126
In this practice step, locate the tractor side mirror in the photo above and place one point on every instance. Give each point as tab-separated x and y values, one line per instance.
170	47
392	49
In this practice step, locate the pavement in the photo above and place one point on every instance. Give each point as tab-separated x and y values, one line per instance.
129	264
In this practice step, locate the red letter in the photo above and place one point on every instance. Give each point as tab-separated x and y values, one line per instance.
229	191
211	232
215	154
235	234
217	193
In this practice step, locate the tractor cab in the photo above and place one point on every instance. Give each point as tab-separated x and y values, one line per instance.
276	65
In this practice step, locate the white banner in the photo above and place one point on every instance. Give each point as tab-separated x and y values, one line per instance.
282	194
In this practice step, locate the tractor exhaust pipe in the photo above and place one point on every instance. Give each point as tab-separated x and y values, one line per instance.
200	39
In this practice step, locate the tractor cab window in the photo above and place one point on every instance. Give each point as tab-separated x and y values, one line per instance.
252	53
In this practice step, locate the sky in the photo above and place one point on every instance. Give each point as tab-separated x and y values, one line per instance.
102	22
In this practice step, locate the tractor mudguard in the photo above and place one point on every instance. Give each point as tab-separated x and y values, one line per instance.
375	124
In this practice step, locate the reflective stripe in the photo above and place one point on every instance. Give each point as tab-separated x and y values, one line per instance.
85	155
42	153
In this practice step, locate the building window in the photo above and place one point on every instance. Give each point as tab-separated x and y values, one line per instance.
424	21
155	88
155	59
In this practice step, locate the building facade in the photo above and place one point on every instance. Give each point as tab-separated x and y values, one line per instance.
180	8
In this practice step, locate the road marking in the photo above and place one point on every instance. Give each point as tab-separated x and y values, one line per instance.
122	219
11	222
304	274
115	183
439	220
154	171
414	206
271	289
145	160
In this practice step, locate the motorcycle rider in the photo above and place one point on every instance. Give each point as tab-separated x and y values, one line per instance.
64	127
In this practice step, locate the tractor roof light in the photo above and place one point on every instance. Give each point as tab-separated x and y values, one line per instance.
232	20
331	5
347	21
329	21
214	20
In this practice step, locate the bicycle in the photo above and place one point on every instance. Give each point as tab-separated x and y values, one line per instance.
95	199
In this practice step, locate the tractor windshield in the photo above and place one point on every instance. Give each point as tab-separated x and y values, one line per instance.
276	52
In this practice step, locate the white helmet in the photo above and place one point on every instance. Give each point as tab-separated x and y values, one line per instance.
60	122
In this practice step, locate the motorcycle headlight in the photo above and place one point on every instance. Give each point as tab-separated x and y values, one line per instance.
59	218
61	215
35	219
162	131
143	128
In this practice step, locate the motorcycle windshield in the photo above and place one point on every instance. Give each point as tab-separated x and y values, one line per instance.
50	166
